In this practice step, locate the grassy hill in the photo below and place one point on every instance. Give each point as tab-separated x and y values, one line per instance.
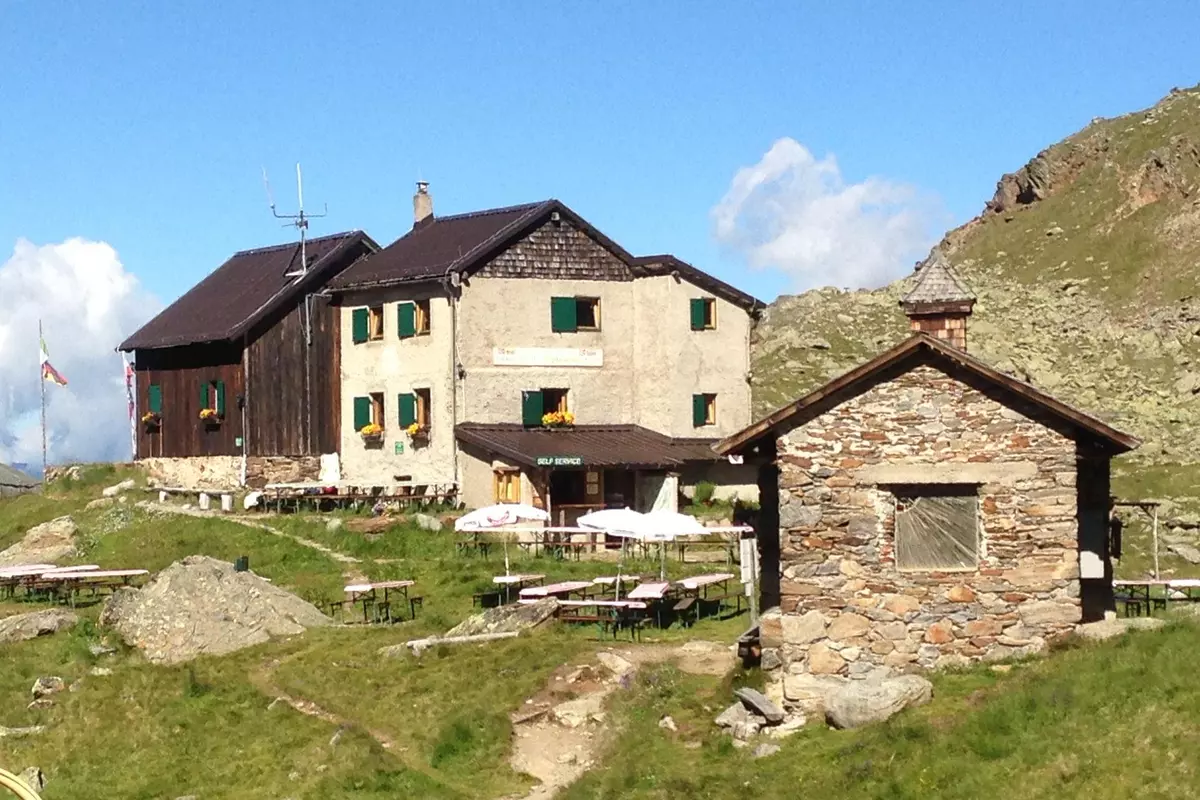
1085	262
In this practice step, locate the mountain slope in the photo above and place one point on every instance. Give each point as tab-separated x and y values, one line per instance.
1085	262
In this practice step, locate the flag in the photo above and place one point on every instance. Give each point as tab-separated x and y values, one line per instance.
49	373
129	380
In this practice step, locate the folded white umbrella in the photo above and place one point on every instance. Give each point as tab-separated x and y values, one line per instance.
498	515
665	525
617	521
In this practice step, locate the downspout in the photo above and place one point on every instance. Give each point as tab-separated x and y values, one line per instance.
454	374
244	404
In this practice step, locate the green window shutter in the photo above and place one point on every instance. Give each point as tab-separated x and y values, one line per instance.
406	314
204	387
562	315
154	399
408	409
359	318
697	307
362	412
221	397
531	409
699	411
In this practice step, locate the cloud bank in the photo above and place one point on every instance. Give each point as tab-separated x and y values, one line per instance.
87	303
795	213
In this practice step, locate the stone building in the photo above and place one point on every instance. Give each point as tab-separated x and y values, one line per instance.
459	339
925	509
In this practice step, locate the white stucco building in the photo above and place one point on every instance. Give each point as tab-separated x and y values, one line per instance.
470	329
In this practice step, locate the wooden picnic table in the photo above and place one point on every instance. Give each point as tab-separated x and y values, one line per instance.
655	590
367	594
614	614
697	588
1138	593
518	581
92	579
566	588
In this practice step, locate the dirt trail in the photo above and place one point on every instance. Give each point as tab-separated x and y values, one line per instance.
560	731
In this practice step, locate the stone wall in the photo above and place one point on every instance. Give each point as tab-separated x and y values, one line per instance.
262	470
845	607
198	472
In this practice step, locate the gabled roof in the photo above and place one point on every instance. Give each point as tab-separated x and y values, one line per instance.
912	352
594	445
666	264
937	285
460	243
246	288
11	476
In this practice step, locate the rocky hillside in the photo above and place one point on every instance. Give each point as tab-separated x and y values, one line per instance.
1085	263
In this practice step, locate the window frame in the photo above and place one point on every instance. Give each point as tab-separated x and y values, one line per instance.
563	395
375	323
424	400
506	478
421	314
903	493
592	303
710	409
378	409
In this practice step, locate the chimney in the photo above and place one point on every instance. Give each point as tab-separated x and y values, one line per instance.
940	303
422	204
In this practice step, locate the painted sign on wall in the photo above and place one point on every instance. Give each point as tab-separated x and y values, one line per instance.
547	357
559	461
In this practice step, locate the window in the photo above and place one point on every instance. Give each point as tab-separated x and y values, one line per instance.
412	318
570	314
554	400
507	484
377	415
367	324
212	395
704	410
937	528
415	408
703	314
368	410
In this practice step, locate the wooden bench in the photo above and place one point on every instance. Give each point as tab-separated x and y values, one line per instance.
686	609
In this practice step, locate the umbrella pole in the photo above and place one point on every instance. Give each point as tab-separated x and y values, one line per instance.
506	555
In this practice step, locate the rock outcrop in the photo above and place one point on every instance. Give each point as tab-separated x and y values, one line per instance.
202	606
506	619
24	627
47	543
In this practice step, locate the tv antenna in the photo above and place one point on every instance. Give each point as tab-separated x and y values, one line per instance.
298	220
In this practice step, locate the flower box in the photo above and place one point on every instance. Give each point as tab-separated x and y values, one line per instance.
151	421
372	434
558	419
418	433
210	417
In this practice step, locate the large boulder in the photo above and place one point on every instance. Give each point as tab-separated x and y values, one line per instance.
507	619
859	703
47	543
760	704
23	627
203	606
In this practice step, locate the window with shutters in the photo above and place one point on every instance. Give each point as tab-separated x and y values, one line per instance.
154	399
570	314
412	318
507	485
937	528
704	410
374	323
531	408
377	409
424	403
703	313
212	398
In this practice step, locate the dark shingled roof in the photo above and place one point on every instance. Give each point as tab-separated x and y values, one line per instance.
464	242
596	445
439	244
913	351
247	288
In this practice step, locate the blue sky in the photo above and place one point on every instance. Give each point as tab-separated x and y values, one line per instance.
146	125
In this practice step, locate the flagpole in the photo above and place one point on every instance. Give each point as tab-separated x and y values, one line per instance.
42	386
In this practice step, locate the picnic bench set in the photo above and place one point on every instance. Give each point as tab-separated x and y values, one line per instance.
295	497
555	544
381	602
616	603
47	581
1143	596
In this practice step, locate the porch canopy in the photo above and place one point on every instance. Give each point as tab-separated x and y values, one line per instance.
603	446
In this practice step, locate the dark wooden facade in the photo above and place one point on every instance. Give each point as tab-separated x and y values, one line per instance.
294	402
179	372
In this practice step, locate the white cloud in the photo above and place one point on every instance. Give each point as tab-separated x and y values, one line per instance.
87	303
795	213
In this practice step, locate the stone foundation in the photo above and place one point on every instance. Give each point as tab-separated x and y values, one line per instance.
846	610
262	470
197	472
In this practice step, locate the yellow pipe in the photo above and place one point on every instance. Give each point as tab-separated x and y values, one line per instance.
17	786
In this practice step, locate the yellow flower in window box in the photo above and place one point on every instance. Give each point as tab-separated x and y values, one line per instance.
372	430
151	418
417	431
558	419
209	416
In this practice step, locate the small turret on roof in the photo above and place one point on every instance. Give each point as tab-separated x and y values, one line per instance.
940	302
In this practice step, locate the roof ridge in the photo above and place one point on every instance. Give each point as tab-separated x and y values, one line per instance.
295	243
489	211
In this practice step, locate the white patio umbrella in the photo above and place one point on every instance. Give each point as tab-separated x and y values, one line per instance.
497	516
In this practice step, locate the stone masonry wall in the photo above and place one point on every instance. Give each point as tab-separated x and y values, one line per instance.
845	608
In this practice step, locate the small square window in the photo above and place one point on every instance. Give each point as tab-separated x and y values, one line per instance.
704	410
710	314
377	411
374	323
507	485
937	528
554	400
587	313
